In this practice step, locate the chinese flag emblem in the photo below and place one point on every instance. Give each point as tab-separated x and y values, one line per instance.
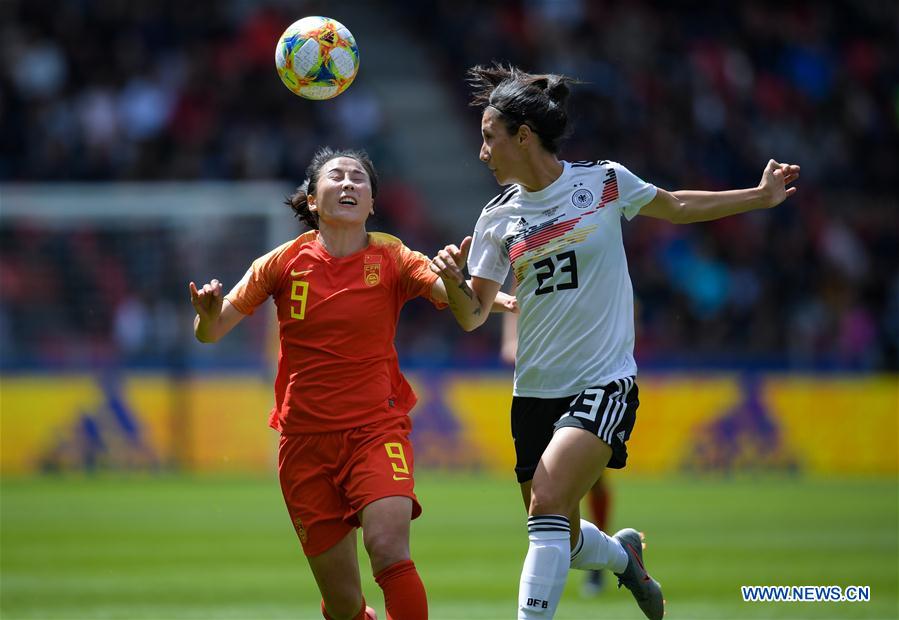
372	274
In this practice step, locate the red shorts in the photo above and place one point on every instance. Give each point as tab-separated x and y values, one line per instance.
328	478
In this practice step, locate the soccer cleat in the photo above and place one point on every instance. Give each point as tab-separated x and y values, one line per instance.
645	589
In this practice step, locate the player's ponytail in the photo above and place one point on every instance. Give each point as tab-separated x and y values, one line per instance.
537	101
298	200
557	89
300	207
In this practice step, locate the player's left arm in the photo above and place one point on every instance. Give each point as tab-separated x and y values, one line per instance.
687	206
469	303
502	303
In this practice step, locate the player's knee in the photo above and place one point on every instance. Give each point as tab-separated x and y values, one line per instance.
386	547
547	499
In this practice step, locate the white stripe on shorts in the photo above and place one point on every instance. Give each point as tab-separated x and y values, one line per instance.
620	409
605	414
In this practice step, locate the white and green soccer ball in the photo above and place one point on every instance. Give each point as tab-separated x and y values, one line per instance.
317	57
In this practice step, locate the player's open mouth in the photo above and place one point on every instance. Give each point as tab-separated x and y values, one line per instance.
347	200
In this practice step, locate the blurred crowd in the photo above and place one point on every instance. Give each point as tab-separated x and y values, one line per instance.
146	90
117	90
685	95
700	96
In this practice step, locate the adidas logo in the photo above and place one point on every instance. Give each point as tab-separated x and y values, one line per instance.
522	223
620	436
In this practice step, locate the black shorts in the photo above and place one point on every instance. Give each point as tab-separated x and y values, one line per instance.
607	411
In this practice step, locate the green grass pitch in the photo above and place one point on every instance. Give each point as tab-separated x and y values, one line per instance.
195	547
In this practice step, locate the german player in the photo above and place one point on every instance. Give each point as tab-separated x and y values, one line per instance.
557	226
341	403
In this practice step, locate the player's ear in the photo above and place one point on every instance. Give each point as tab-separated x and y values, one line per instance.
524	134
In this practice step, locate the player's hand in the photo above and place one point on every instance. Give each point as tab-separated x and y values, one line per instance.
775	180
450	261
207	301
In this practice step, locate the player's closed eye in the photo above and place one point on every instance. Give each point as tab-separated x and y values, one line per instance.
337	176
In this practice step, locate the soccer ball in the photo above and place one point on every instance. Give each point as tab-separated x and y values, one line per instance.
317	57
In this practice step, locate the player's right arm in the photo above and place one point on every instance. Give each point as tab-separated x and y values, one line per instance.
215	315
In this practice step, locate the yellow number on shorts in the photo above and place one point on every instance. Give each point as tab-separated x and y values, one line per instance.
298	291
395	451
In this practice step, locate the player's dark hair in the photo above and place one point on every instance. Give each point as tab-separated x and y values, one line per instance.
537	101
297	201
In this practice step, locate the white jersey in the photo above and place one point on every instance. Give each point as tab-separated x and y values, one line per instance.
576	327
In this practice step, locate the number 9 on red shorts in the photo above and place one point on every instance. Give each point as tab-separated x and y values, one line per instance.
328	478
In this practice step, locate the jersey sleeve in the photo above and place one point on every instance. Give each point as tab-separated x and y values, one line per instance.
487	257
633	192
257	284
416	276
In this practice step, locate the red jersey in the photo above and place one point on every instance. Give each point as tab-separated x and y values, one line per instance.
338	366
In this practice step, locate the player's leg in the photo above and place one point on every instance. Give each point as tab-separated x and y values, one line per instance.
385	531
533	422
600	420
574	520
306	468
606	415
380	487
574	517
336	572
385	534
565	473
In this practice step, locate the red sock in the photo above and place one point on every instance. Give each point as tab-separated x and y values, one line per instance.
362	615
404	594
599	507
